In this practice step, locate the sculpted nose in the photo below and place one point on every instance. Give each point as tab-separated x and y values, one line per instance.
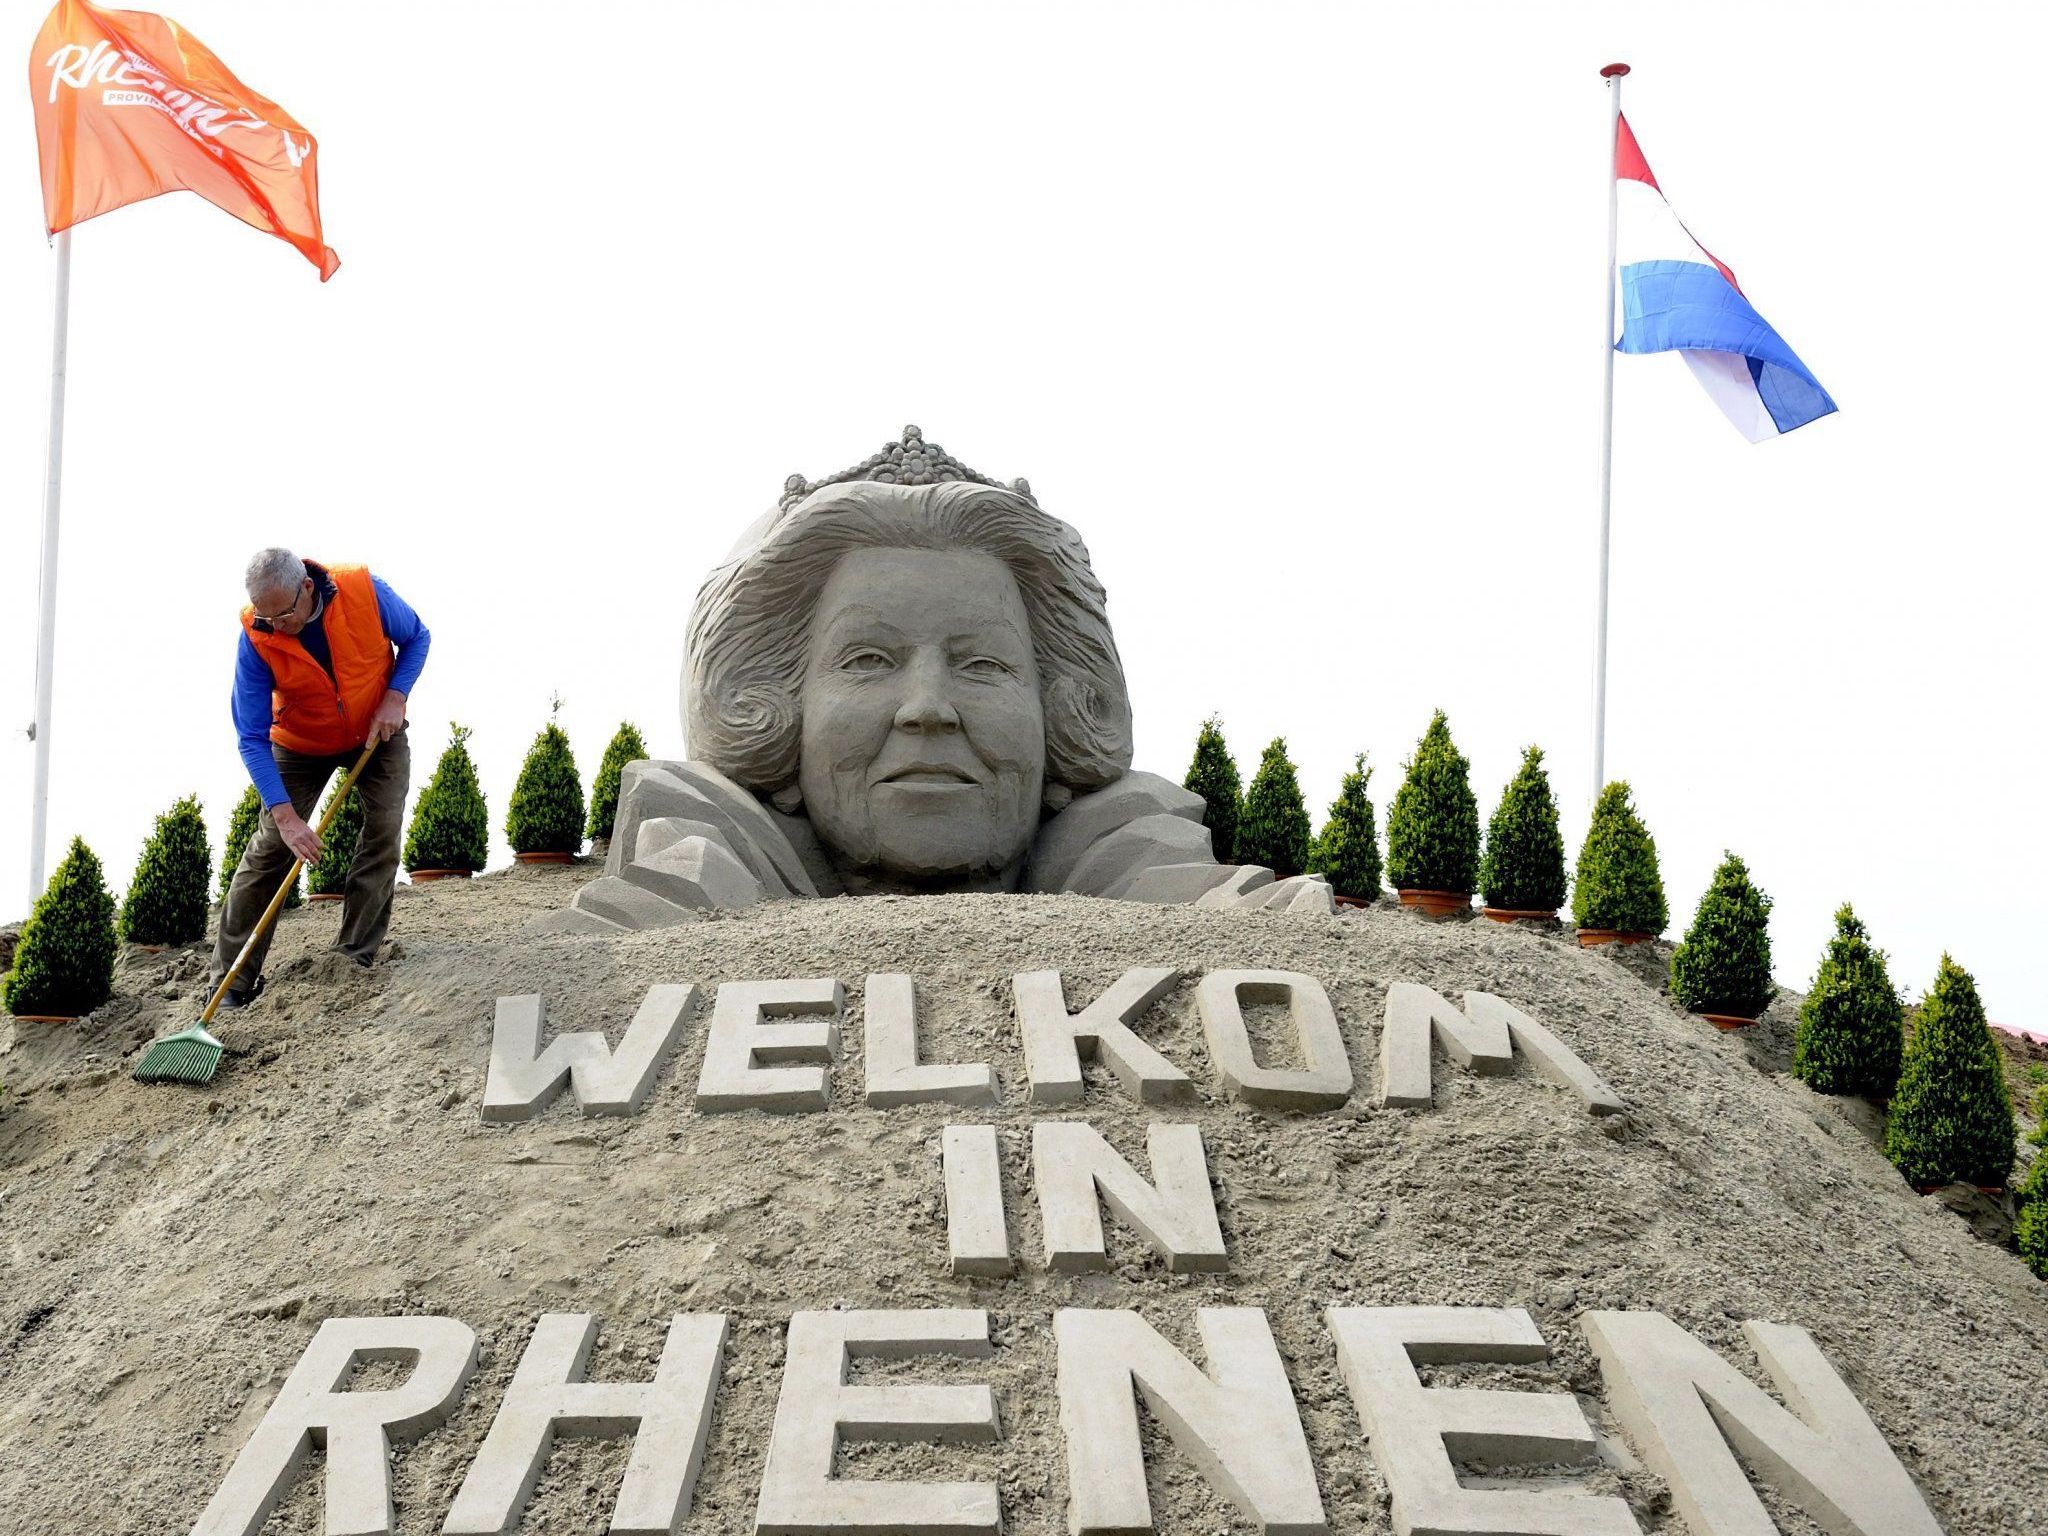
926	705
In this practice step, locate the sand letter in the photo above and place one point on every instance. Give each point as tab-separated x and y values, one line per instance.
977	1235
1325	1083
523	1079
1055	1040
894	1073
737	1074
1236	1422
818	1410
668	1419
1689	1412
1483	1038
1070	1162
356	1428
1416	1430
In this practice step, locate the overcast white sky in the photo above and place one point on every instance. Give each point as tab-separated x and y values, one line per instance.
1292	309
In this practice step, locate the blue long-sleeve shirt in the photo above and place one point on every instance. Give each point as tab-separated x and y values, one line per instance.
250	705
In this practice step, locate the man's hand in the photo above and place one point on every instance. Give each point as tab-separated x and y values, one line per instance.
389	719
303	841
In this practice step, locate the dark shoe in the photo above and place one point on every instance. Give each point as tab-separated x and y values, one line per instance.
241	998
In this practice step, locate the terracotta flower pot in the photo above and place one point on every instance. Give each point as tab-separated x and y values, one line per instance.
1351	901
151	949
545	856
1437	903
1728	1021
325	895
1588	937
1518	915
422	876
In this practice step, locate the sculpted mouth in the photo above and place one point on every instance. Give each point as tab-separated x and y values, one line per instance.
929	773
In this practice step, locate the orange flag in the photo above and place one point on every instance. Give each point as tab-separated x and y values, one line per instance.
130	105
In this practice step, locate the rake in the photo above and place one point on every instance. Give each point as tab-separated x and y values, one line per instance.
193	1055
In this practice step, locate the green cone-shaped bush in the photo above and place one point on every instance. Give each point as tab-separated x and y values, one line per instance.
1274	828
546	815
329	874
166	901
1617	884
450	828
1523	867
1851	1027
64	964
1723	965
2030	1231
1433	822
241	827
1950	1121
626	746
1348	851
1213	776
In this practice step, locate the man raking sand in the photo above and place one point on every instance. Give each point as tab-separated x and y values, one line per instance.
316	680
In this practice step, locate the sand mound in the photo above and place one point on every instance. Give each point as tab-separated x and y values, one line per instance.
168	1252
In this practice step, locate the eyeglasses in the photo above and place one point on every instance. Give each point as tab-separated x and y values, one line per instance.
269	620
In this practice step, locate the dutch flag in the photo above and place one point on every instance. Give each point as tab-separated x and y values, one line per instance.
1677	296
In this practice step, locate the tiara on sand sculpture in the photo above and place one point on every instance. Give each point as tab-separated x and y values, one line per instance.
913	461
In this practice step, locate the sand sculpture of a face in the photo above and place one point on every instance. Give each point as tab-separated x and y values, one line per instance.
904	679
923	745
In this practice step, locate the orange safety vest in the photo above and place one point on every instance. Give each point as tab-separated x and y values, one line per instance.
309	711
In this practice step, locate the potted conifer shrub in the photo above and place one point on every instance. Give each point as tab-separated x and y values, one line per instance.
166	901
2030	1229
64	964
1950	1121
1521	874
626	746
327	879
1617	892
1433	827
545	820
449	837
1721	970
1273	830
1213	776
241	827
1851	1026
1347	853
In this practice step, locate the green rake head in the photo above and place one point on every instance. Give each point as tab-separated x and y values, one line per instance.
190	1056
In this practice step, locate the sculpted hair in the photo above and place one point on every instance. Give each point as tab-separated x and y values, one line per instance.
750	631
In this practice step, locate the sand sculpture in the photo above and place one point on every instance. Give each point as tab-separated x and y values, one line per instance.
903	679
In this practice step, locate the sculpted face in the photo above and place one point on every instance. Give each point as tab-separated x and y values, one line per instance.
923	731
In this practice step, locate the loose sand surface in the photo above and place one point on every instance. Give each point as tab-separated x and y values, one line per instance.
166	1253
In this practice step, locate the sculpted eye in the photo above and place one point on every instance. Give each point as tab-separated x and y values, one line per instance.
986	668
866	659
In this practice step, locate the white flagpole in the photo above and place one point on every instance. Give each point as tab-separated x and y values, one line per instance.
1612	74
46	634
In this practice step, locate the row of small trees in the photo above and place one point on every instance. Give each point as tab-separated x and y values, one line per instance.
64	962
1433	834
1949	1117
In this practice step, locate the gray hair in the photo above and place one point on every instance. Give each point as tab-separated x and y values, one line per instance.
273	570
750	629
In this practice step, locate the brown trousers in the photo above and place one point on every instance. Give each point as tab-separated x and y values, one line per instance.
372	877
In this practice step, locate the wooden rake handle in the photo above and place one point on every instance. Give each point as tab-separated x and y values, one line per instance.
285	889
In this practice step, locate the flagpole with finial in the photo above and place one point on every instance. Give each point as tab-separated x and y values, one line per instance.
46	629
1612	75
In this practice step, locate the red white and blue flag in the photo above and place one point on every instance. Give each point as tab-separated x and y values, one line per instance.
1677	296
